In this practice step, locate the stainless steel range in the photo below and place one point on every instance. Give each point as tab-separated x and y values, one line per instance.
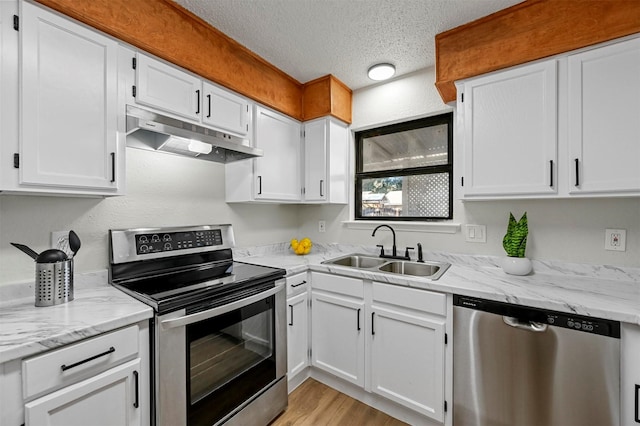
219	331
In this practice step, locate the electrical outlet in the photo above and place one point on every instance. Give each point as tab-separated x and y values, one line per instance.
476	233
322	226
60	240
615	239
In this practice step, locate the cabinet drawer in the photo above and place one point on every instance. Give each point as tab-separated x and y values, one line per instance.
421	300
337	284
297	284
78	361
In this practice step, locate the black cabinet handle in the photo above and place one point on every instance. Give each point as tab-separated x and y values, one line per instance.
198	102
551	173
136	402
637	404
321	187
577	161
209	101
291	310
373	330
113	167
358	319
259	185
65	367
299	284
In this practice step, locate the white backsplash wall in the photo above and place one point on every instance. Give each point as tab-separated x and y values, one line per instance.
162	190
564	230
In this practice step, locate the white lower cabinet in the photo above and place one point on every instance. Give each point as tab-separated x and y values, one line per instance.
387	339
630	374
298	334
110	398
338	336
99	381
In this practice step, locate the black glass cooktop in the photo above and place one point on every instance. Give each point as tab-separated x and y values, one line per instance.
182	287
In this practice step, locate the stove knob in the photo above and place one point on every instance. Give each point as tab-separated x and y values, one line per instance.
144	239
166	237
167	246
155	239
144	248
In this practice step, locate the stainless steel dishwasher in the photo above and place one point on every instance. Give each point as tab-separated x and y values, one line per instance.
515	365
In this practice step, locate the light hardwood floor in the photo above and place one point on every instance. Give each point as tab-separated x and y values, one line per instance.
314	404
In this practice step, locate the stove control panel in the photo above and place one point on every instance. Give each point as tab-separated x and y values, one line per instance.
171	241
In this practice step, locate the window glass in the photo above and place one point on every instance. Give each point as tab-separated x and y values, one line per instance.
405	171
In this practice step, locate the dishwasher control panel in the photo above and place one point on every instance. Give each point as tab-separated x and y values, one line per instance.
580	323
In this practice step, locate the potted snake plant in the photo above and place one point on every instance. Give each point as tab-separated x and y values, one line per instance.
515	244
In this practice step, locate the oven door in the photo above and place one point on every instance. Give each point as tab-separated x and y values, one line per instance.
212	363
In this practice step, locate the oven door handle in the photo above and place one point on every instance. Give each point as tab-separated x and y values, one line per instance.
204	315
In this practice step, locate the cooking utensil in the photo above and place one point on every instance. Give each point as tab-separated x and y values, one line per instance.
74	243
28	250
51	256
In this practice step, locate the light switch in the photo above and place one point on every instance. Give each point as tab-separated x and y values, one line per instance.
476	233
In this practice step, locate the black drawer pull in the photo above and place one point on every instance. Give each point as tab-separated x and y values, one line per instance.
113	167
65	367
577	161
551	173
299	284
373	330
291	310
358	319
136	402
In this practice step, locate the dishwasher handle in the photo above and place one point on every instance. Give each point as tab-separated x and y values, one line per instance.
536	327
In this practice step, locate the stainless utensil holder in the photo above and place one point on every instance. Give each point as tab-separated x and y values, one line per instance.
54	283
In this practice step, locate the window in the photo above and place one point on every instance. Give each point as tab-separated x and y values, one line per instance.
405	171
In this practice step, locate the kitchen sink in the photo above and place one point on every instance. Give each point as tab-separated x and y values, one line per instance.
357	261
431	270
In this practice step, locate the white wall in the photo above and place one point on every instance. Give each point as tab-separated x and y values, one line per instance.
162	190
565	230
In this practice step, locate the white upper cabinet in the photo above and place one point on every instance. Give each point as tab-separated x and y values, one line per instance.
68	109
225	110
326	164
604	119
510	132
565	127
167	88
277	173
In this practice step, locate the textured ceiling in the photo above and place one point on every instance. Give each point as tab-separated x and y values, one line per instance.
308	39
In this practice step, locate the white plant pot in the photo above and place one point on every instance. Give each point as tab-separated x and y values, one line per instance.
516	265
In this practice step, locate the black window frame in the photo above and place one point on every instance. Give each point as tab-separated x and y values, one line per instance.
446	118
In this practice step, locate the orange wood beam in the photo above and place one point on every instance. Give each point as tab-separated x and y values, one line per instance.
326	96
528	31
167	30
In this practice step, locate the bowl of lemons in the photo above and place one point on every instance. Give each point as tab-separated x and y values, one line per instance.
301	247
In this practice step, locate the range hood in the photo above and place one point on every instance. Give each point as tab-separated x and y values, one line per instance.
152	131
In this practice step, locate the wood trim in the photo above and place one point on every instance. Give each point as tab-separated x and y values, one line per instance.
528	31
167	30
326	96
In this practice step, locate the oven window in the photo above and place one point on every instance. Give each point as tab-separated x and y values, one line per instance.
231	358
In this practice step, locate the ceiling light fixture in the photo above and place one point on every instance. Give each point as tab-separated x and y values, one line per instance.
380	72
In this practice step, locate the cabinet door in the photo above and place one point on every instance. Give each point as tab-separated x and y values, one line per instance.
630	374
167	88
510	132
407	360
107	399
315	163
297	334
604	119
69	109
277	173
225	110
337	335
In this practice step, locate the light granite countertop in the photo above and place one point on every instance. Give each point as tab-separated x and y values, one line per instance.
97	308
595	290
600	291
